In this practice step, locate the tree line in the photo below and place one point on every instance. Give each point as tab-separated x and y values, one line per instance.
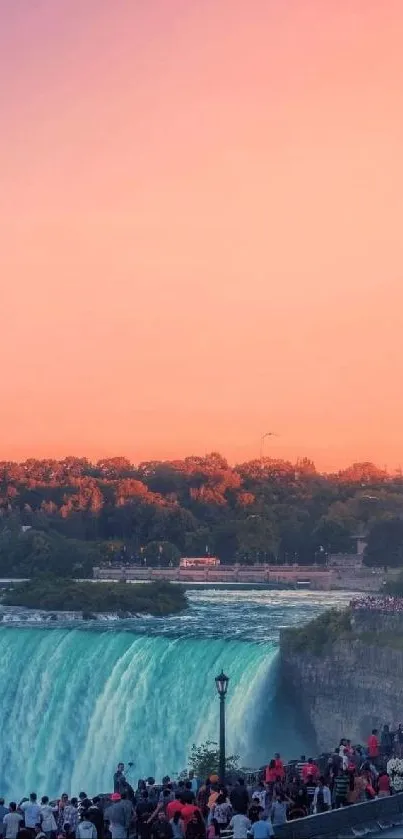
265	510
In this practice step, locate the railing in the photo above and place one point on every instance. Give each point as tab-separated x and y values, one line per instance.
339	823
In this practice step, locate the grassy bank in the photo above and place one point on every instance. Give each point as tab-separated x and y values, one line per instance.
57	594
317	635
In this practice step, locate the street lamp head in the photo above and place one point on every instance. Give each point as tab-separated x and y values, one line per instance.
221	682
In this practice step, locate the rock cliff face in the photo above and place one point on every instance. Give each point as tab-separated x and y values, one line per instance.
351	686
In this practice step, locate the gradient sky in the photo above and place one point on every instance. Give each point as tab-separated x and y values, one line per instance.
201	228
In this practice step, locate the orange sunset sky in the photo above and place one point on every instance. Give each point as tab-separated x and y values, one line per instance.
201	228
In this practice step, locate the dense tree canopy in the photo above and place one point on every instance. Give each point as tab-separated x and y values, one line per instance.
262	510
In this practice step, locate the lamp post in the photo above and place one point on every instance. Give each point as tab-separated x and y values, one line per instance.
221	682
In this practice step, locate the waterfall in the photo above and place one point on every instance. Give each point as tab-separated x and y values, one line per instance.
76	701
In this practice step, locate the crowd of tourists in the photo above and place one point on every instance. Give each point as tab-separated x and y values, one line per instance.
247	808
377	603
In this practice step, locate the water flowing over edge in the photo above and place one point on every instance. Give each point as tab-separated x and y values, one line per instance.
74	703
77	700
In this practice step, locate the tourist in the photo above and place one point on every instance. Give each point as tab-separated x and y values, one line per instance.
383	785
48	821
195	828
178	827
161	828
254	810
279	766
60	812
261	794
240	825
3	811
187	813
31	812
174	806
202	799
399	740
213	830
39	833
194	782
322	799
11	822
300	766
239	797
272	774
83	803
164	800
356	793
310	788
119	779
119	815
188	796
278	811
67	832
262	828
373	745
70	815
386	746
296	811
298	794
310	770
214	791
96	815
341	788
86	829
144	809
221	811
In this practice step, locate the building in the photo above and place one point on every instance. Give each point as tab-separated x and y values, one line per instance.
199	562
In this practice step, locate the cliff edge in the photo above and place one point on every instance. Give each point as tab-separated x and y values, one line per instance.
344	671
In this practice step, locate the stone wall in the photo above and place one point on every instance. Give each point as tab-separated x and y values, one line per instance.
345	691
276	574
372	621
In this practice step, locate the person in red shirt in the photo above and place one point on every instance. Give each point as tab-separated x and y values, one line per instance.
271	774
310	770
187	812
383	785
279	766
373	744
173	807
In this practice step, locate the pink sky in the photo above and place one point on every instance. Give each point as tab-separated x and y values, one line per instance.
201	215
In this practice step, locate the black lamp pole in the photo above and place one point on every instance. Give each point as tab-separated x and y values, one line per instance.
222	687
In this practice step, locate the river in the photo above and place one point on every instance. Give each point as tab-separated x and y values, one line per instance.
75	701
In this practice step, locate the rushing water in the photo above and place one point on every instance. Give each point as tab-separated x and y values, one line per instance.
74	701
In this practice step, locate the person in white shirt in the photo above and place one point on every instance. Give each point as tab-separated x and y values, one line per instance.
86	829
322	799
48	821
193	781
31	811
262	829
240	825
11	822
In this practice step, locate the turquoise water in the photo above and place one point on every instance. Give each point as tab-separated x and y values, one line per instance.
75	700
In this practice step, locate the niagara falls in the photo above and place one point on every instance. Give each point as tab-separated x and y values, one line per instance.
75	701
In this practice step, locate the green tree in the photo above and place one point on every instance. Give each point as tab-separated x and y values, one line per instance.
333	536
161	553
385	544
204	760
